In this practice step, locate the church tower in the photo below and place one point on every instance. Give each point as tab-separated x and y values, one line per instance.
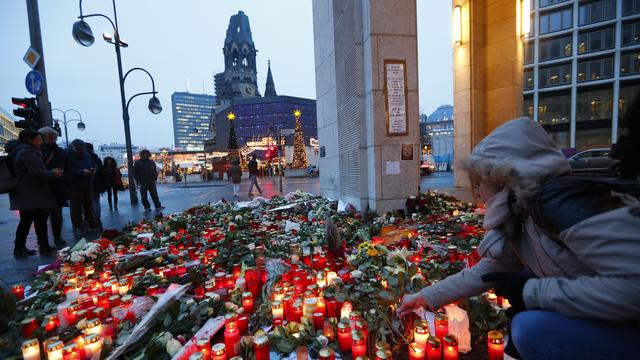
270	90
239	79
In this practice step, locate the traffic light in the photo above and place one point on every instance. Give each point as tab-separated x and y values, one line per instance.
28	109
56	127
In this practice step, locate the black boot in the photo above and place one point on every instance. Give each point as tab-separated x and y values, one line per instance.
59	242
22	251
46	250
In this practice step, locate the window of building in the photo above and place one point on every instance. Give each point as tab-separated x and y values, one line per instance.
554	114
528	79
630	34
593	117
595	69
630	63
597	40
596	11
555	48
528	52
544	3
554	75
527	106
555	21
630	7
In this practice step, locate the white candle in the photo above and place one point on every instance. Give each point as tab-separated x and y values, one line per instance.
346	310
54	350
93	346
331	275
31	349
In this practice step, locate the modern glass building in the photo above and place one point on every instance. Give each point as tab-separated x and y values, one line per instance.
582	68
191	113
436	132
261	116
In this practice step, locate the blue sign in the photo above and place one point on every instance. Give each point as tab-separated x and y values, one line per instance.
34	82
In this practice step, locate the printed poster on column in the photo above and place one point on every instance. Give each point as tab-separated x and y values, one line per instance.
395	91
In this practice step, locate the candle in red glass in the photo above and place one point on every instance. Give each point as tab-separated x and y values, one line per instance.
434	349
328	331
236	270
344	336
220	280
495	345
416	351
442	325
18	291
28	325
358	344
261	347
230	282
332	308
247	302
103	300
318	320
204	346
231	339
218	352
326	353
296	309
52	322
449	347
361	325
383	354
243	324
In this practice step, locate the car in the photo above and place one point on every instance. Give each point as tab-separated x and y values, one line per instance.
427	165
594	161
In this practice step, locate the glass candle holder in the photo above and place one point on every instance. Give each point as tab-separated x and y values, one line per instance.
495	345
72	352
384	355
277	310
203	345
28	326
442	325
18	291
449	347
92	345
296	309
354	316
358	344
54	350
198	355
344	336
421	332
94	326
247	302
261	347
346	310
31	349
326	353
434	349
416	351
218	352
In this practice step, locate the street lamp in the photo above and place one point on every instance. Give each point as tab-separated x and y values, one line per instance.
84	36
81	126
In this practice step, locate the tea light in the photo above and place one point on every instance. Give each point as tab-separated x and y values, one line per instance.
71	352
434	350
495	345
383	355
247	302
18	291
326	353
203	345
277	310
346	310
54	350
442	325
218	352
28	326
416	351
31	349
94	326
261	347
344	336
92	345
358	344
421	333
450	347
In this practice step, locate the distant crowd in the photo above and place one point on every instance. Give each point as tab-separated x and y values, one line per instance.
46	178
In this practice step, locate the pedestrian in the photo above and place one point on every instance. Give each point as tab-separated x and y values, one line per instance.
113	181
235	174
55	158
79	186
572	294
98	184
32	197
253	175
146	175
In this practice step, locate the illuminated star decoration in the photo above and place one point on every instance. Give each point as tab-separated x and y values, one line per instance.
231	116
297	113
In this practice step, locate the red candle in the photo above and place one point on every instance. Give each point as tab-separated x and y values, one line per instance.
328	330
332	308
18	291
344	336
326	353
29	325
218	352
72	310
52	322
243	324
296	309
383	354
358	345
416	351
261	347
442	325
434	350
236	270
231	338
247	302
450	347
220	280
318	320
495	345
204	346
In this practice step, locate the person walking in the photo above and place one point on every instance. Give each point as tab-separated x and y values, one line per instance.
146	175
253	175
55	158
235	174
32	196
571	273
79	186
113	181
98	184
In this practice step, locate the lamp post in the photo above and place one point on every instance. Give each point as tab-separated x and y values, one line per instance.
84	36
65	121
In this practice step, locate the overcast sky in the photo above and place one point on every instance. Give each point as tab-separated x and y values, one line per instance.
180	43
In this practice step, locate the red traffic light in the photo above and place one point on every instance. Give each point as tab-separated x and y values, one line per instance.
24	102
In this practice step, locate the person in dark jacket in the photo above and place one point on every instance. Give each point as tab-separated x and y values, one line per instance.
55	158
32	197
98	184
253	175
146	174
113	181
235	173
79	182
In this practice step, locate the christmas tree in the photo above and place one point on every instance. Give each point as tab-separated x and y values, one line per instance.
233	139
299	152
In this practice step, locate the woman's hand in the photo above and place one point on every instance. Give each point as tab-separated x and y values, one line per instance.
410	303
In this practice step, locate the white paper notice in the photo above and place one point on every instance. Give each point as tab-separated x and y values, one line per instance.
396	100
393	167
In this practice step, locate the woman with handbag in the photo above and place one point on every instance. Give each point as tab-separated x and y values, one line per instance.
113	181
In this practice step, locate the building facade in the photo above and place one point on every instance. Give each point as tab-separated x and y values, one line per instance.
8	130
582	68
191	114
437	129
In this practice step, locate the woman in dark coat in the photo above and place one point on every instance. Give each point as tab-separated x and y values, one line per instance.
235	172
32	197
113	181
